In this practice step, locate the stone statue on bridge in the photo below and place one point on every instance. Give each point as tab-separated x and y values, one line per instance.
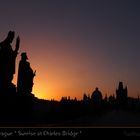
25	76
7	63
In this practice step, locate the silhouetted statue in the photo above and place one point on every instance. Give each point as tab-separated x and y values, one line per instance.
25	76
7	61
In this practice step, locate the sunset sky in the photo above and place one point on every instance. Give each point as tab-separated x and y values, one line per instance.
77	45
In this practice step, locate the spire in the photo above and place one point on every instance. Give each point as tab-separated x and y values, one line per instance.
120	85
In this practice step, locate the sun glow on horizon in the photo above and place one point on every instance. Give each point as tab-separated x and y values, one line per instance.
74	47
66	71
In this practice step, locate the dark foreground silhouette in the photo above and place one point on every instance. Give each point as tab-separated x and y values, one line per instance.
19	106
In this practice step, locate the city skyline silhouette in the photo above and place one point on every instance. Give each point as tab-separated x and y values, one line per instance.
69	68
20	108
76	45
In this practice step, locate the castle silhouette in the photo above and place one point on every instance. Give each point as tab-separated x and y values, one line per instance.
19	106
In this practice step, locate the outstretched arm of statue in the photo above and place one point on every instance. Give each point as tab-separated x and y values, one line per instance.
17	44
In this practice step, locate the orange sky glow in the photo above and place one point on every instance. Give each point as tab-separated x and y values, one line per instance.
76	45
60	73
